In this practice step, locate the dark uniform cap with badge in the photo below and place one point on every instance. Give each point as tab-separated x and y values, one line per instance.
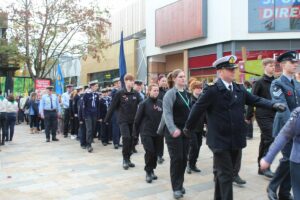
288	56
226	62
138	82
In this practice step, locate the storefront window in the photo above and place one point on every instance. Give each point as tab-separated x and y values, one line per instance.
105	78
274	15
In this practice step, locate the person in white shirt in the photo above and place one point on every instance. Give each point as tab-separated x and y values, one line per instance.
3	102
11	114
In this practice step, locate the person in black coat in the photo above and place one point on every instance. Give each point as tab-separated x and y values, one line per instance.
126	102
146	123
264	117
197	134
163	88
224	103
74	108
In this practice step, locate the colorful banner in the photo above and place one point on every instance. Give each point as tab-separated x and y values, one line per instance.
22	86
41	85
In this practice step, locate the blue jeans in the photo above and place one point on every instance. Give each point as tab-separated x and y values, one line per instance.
10	125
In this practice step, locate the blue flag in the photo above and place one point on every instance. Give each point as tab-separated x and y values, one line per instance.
122	61
59	83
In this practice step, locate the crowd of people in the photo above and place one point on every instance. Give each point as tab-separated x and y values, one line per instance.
170	111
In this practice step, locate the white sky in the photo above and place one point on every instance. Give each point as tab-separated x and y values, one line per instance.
111	5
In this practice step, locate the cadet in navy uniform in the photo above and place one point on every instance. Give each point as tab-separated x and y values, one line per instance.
114	123
126	102
286	90
290	132
82	127
50	110
138	86
75	109
105	102
91	112
224	103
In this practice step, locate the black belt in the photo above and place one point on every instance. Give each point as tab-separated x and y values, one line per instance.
50	110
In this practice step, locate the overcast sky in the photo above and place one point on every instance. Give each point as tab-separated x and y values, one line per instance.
111	5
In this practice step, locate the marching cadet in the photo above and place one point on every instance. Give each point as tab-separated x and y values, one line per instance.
224	103
197	134
82	126
290	132
286	90
65	98
50	110
105	102
90	112
75	106
146	122
264	117
138	87
126	102
114	122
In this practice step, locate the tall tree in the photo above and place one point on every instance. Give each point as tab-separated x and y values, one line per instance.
47	29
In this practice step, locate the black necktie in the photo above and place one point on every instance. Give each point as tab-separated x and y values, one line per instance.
292	82
230	88
51	101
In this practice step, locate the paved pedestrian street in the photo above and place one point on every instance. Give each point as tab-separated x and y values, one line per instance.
30	168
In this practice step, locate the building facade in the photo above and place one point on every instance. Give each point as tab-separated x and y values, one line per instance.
207	30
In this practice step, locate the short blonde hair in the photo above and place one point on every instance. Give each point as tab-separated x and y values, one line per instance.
267	61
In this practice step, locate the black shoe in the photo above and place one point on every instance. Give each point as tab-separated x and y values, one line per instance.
238	180
83	147
289	197
183	190
109	143
90	149
188	170
160	160
195	169
120	145
177	194
154	177
65	136
104	143
148	177
116	146
47	140
125	165
130	164
271	194
268	173
55	139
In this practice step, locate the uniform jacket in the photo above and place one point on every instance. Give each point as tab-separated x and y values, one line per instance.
225	114
283	91
126	104
290	131
90	104
148	117
75	104
104	105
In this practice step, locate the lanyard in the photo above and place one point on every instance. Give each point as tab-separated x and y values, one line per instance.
187	103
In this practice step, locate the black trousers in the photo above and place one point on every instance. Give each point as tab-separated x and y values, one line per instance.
90	123
150	144
76	125
282	176
105	132
295	174
266	137
238	163
50	123
66	121
161	145
126	132
2	127
224	162
115	130
82	134
178	150
194	148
